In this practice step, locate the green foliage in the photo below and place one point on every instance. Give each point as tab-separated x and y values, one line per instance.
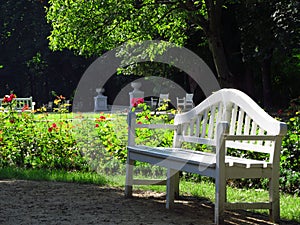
29	143
98	143
290	155
113	135
91	27
154	137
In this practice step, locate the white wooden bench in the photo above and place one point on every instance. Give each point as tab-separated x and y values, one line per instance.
226	119
21	102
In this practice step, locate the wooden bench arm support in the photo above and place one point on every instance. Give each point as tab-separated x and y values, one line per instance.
132	125
220	181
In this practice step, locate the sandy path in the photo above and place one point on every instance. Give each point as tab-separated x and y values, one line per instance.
32	202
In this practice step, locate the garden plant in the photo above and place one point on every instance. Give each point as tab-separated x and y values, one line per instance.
97	142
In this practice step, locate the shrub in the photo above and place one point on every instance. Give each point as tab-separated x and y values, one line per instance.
290	155
113	134
34	141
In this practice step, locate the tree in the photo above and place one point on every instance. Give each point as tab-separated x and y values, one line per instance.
30	68
268	27
93	27
265	27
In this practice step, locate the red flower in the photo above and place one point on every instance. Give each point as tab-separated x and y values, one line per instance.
12	121
140	100
53	126
26	107
9	98
101	118
136	101
96	125
139	122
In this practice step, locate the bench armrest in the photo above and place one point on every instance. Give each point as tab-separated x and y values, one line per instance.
157	126
132	125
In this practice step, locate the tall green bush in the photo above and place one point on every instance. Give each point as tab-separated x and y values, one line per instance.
290	155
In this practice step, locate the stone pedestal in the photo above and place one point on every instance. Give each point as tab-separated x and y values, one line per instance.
100	101
136	93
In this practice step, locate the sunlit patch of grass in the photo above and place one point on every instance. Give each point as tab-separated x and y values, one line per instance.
52	175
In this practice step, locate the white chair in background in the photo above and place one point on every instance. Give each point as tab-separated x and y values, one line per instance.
185	102
163	98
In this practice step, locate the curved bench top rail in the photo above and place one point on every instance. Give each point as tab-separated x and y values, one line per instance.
228	98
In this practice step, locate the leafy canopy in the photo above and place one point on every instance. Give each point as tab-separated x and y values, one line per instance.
91	27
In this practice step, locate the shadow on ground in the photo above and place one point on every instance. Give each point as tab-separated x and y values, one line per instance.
39	202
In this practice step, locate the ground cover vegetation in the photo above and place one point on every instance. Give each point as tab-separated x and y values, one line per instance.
90	147
97	142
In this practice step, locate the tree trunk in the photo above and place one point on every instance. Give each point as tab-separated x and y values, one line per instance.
214	9
220	61
266	82
249	81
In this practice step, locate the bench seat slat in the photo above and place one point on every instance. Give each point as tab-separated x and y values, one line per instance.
196	157
174	154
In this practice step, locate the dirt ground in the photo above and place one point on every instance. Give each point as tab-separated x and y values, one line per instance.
36	202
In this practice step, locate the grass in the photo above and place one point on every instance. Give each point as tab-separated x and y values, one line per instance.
52	175
289	204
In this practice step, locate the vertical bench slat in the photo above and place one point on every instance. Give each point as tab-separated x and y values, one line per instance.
219	111
260	132
198	124
192	127
185	129
253	130
204	123
240	122
211	121
233	119
247	125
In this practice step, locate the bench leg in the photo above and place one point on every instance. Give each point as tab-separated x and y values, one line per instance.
129	178
172	187
274	199
220	198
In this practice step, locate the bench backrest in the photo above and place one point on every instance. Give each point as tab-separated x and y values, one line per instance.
21	102
244	116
